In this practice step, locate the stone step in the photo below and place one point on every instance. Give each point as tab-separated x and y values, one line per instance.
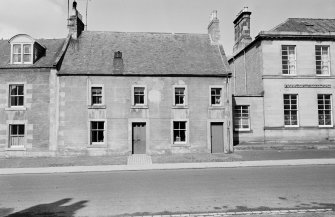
139	159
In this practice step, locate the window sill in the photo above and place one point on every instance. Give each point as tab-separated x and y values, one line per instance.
180	144
16	149
180	107
289	75
96	107
139	107
215	107
243	131
322	75
97	145
326	126
291	126
18	108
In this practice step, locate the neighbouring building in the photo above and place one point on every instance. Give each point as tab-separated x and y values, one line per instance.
283	81
28	70
105	93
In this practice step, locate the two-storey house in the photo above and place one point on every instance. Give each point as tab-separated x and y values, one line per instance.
144	93
283	81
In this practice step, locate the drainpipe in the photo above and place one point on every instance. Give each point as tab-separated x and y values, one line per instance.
245	73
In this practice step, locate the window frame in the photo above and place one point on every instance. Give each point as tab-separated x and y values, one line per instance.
321	61
22	53
185	104
288	60
10	136
290	105
90	96
10	96
241	117
187	133
145	101
331	109
221	95
91	143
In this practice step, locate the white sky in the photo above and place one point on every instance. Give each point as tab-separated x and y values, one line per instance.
47	18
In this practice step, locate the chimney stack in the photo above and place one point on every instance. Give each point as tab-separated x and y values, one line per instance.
242	29
76	25
214	28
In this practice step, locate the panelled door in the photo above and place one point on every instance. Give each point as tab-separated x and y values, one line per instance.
138	138
217	137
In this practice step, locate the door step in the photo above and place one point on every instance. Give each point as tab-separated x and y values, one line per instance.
139	159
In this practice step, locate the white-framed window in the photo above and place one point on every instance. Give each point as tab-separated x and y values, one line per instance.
16	135
241	118
22	53
97	132
289	60
180	95
96	95
291	117
139	95
325	110
179	132
322	60
16	95
216	96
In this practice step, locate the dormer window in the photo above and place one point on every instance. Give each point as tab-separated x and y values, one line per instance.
22	53
25	50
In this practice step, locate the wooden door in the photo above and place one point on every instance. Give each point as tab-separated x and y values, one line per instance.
139	137
217	137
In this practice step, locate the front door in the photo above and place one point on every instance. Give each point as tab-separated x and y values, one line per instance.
138	138
217	137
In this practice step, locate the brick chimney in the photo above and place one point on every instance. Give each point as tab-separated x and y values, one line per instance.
242	29
214	28
75	24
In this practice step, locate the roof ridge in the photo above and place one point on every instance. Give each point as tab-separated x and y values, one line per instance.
163	33
299	18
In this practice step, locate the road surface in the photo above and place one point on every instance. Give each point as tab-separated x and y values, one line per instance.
169	191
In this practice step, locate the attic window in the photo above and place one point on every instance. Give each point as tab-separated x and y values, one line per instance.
22	53
118	55
25	50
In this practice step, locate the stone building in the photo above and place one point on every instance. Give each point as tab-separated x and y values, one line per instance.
105	93
283	81
28	70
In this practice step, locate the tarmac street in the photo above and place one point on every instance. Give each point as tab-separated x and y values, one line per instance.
168	191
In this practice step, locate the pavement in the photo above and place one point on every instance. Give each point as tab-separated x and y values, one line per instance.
261	158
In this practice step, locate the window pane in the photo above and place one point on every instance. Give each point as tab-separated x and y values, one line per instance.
17	58
17	48
21	129
27	48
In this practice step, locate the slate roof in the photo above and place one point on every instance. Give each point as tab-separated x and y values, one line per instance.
53	48
307	25
144	54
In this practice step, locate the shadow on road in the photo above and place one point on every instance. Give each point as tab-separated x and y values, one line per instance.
55	209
